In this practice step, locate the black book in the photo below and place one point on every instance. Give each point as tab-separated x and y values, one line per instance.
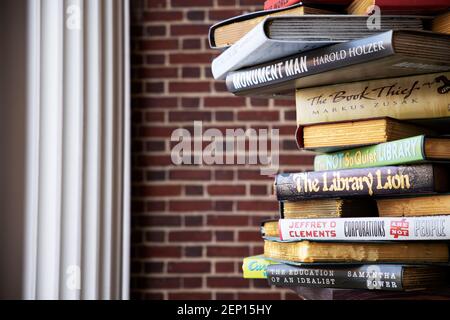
368	182
385	55
368	276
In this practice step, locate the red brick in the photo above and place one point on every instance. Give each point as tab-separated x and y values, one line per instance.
223	14
190	236
188	267
249	236
199	205
258	115
156	3
192	283
195	15
259	205
224	236
259	296
160	190
189	87
190	175
232	220
171	15
224	267
190	296
156	45
224	102
190	58
157	102
158	73
227	282
189	29
258	190
183	116
159	251
191	3
228	251
219	190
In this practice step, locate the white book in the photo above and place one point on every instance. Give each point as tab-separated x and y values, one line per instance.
290	35
255	48
366	229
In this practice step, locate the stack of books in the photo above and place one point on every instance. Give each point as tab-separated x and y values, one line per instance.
374	103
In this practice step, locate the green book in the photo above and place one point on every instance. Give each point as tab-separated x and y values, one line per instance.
416	149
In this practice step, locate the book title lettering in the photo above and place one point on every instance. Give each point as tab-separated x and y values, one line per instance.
333	181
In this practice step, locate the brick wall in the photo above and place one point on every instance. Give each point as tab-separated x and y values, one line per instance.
193	224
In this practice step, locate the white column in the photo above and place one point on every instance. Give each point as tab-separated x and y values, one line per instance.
77	210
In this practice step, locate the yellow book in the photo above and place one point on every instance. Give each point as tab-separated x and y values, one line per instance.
310	252
405	98
255	267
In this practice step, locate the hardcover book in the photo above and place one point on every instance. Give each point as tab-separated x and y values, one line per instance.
418	149
255	267
365	229
406	98
344	252
328	208
228	32
442	23
281	36
368	276
420	7
414	206
328	137
367	182
385	55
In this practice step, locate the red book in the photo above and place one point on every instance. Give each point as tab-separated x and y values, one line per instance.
276	4
400	6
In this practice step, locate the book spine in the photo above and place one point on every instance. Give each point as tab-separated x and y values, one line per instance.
255	267
287	69
372	277
376	181
277	4
414	97
366	229
404	151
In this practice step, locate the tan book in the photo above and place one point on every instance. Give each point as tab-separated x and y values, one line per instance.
344	135
312	252
403	98
228	32
442	23
414	206
329	208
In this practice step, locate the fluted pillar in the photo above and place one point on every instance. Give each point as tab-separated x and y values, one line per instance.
77	150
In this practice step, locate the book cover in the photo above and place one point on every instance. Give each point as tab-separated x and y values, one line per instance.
366	229
255	267
385	55
405	98
367	182
403	151
370	276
